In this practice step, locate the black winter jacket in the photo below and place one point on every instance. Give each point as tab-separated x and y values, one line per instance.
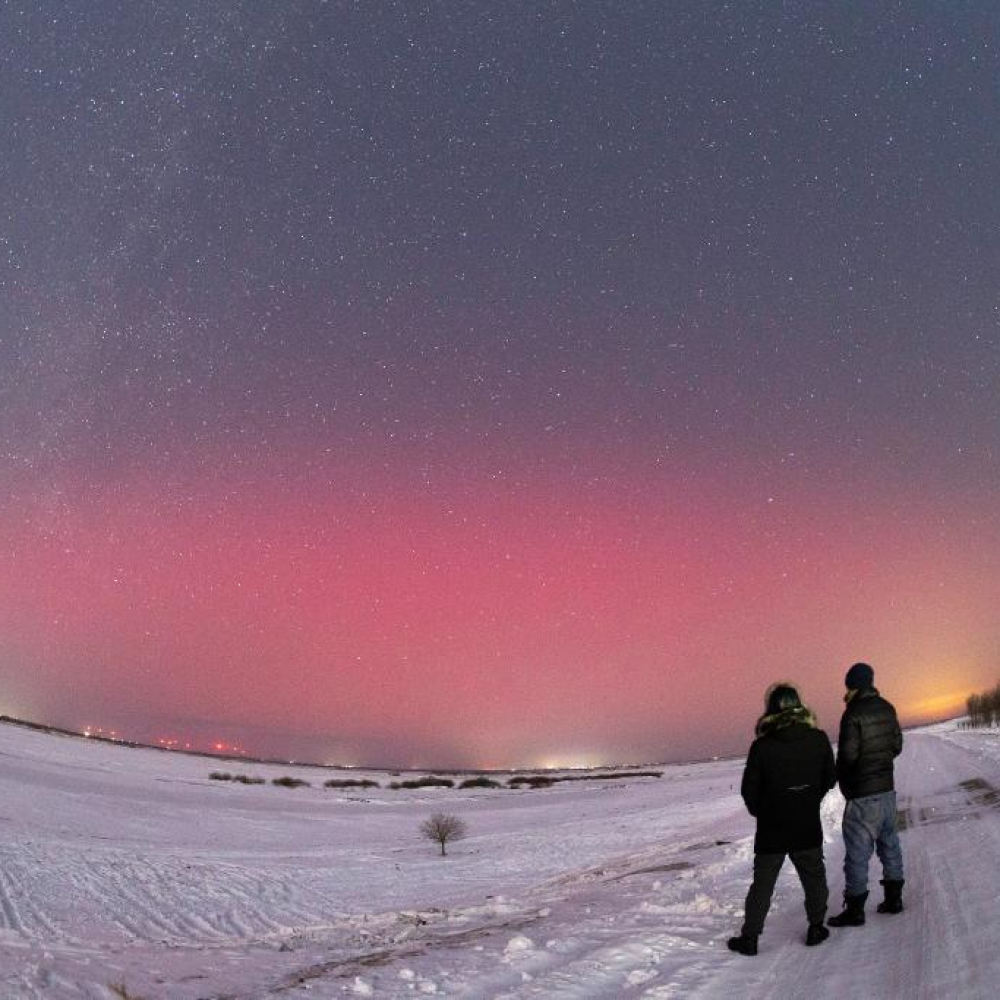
870	739
788	771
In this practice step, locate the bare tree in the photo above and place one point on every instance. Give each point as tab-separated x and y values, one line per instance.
441	828
984	707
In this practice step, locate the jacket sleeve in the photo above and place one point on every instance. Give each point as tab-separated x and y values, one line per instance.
848	746
829	769
897	741
750	786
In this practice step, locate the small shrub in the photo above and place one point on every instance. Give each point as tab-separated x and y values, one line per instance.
248	779
287	782
532	781
350	783
120	990
220	776
443	828
479	783
426	782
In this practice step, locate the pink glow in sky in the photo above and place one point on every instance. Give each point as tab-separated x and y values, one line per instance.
510	626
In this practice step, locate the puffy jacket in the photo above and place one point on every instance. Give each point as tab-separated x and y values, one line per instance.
870	740
788	771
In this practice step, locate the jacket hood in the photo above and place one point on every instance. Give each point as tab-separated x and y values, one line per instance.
797	716
857	694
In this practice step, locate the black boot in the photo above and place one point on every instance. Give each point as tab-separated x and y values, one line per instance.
893	902
816	934
745	944
854	912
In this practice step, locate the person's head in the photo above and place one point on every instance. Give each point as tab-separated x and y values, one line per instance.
779	697
860	677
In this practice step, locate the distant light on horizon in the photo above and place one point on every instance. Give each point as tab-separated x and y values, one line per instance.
566	762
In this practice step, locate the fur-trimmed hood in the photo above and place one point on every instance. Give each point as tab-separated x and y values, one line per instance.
798	715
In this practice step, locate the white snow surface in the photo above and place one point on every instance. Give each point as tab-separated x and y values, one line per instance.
127	872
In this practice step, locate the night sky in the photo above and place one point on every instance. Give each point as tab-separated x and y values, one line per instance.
495	383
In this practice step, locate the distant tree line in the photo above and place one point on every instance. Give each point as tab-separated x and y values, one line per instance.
432	781
984	708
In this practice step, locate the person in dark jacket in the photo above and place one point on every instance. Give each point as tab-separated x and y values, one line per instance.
870	740
788	771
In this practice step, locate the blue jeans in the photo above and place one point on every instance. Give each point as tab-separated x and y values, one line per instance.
870	824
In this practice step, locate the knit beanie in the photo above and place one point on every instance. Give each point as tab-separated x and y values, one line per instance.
859	677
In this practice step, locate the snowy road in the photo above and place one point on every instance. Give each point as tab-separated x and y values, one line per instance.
943	944
128	867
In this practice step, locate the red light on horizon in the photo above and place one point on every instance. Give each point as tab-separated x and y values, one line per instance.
209	745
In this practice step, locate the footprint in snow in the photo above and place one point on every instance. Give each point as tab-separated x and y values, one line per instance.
517	947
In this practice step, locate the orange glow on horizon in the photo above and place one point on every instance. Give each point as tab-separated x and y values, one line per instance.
941	705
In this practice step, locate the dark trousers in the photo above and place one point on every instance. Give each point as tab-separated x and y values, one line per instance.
812	875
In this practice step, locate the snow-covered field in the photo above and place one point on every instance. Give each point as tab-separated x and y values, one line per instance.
129	871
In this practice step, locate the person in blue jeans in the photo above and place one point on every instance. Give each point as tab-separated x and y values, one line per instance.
870	741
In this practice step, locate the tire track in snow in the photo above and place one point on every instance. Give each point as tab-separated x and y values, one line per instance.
8	908
401	947
628	956
935	943
156	900
20	910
